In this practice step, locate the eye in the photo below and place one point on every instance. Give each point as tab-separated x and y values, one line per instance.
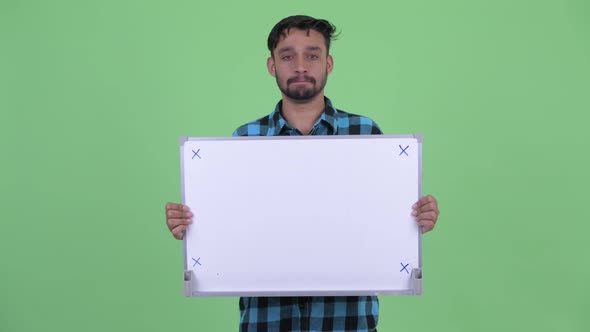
313	56
286	57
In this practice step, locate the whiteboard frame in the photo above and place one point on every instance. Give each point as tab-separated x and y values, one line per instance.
189	279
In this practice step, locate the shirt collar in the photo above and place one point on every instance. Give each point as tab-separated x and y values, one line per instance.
328	116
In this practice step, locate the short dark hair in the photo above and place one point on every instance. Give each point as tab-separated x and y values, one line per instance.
301	22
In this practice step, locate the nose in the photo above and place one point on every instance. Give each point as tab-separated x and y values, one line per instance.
300	65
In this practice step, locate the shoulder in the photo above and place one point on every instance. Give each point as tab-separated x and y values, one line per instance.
354	124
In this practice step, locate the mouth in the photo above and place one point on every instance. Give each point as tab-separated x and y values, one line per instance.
300	80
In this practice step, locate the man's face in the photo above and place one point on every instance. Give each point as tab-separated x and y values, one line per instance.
301	65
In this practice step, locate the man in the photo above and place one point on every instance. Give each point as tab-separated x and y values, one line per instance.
300	62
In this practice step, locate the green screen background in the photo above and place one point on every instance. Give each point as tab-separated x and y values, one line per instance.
94	95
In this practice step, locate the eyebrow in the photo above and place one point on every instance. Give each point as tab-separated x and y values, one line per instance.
307	48
313	48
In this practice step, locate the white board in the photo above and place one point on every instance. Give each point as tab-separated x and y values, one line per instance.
302	216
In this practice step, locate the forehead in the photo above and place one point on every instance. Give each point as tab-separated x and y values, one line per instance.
300	39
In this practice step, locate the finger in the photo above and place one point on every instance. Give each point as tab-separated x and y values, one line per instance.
178	214
172	223
425	200
426	222
429	215
176	207
428	207
426	225
179	232
427	228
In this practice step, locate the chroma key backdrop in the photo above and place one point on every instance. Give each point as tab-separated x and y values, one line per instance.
94	95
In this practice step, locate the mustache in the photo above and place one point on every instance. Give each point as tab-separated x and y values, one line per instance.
301	78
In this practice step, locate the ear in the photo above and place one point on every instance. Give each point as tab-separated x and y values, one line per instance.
330	64
270	65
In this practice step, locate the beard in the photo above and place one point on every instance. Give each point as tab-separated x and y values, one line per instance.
302	92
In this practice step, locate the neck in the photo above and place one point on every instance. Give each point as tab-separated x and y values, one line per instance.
303	115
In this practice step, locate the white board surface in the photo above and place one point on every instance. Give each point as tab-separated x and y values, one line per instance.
302	216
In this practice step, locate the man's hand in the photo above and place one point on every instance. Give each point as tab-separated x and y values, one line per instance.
178	217
426	212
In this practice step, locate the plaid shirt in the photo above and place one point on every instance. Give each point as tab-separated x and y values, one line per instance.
341	313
